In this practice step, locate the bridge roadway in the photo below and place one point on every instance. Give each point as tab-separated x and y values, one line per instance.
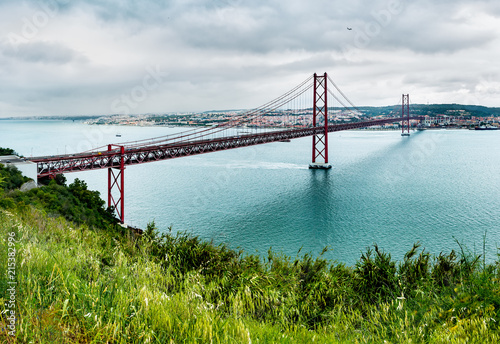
52	165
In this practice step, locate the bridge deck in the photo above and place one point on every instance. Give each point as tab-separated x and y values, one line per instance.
51	165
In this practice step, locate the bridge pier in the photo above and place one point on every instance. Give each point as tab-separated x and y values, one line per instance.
117	179
320	113
319	166
405	115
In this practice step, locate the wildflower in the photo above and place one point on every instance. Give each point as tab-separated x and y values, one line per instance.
400	301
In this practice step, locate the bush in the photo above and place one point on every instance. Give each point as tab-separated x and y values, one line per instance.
375	276
7	151
414	272
76	203
12	177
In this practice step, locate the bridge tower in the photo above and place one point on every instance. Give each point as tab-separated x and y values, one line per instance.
117	179
405	115
320	117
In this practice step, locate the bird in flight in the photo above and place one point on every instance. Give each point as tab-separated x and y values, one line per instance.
349	28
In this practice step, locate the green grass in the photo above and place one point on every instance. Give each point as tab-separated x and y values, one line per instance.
89	284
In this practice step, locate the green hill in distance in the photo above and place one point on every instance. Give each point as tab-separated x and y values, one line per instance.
431	110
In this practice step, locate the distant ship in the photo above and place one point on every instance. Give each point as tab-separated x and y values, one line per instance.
485	128
118	135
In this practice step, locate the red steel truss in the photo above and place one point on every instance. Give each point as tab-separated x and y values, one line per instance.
117	179
320	113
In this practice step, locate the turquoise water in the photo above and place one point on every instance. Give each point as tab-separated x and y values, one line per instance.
435	187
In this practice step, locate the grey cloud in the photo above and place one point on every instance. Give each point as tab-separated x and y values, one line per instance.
318	25
422	27
236	52
42	52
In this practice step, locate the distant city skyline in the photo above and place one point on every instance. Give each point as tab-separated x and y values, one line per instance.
89	57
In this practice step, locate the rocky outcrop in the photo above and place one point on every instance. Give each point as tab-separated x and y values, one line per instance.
28	186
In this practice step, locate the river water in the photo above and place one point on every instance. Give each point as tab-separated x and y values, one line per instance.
436	187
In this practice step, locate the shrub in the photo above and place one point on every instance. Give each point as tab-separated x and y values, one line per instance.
375	276
7	151
12	177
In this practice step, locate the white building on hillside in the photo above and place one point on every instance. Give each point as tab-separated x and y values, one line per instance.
27	168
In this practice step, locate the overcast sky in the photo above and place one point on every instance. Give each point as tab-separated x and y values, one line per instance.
76	57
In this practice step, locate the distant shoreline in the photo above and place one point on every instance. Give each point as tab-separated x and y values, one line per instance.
83	120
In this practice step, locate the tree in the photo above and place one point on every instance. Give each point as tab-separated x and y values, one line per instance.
7	151
60	179
92	199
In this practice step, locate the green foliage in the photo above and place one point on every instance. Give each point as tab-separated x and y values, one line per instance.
59	179
7	151
375	276
108	286
76	203
151	233
188	253
90	199
12	178
414	272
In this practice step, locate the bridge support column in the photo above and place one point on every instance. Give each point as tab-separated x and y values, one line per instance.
320	117
117	179
405	115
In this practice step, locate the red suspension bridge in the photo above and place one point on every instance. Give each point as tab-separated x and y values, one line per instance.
115	157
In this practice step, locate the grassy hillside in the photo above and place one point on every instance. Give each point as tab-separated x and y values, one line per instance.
80	278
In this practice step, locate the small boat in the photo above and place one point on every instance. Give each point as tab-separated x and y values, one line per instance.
118	135
485	128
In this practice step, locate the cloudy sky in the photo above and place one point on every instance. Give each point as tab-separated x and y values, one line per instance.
76	57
